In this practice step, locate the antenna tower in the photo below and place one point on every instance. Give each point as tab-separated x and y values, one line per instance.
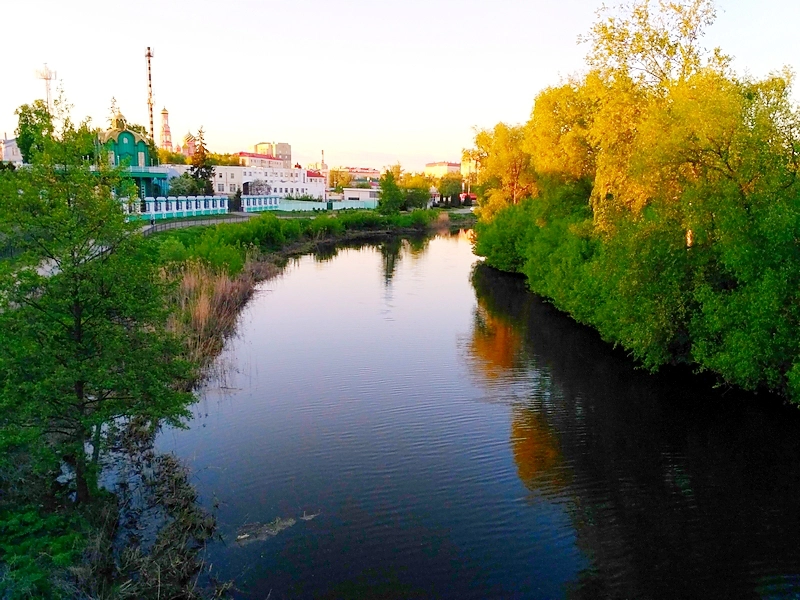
47	75
148	56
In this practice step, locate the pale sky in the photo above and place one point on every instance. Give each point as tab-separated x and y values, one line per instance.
370	82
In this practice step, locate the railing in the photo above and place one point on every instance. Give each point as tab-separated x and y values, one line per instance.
166	225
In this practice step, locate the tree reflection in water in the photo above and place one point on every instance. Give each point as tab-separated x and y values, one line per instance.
495	345
674	489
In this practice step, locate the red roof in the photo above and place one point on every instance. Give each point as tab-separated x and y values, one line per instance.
315	174
254	155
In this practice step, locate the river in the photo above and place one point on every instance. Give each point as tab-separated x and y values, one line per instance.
453	436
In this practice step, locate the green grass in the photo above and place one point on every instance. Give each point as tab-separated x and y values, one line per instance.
225	246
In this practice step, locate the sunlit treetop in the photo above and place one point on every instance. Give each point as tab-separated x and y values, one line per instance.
653	42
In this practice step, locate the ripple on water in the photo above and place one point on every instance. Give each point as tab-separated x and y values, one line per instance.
477	445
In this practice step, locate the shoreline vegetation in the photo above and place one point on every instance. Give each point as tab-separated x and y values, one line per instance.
656	198
106	332
217	267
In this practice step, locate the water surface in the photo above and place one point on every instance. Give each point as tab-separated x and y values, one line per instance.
459	438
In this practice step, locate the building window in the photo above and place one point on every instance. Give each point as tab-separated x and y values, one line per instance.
221	186
233	187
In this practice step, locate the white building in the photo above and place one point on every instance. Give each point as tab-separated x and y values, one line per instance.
280	150
361	194
279	181
10	151
362	173
255	159
440	169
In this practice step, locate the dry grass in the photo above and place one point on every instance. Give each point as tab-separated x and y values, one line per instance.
208	304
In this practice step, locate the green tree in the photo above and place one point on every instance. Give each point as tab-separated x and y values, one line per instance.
202	168
667	203
83	344
230	160
165	157
35	124
506	172
340	179
416	190
185	185
653	42
391	196
450	187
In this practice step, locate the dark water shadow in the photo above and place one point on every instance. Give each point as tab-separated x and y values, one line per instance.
676	489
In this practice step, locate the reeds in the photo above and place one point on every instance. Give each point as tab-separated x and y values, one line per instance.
208	302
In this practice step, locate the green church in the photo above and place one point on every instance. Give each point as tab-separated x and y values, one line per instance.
127	148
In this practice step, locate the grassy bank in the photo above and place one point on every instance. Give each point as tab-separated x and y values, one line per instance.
215	268
144	534
727	306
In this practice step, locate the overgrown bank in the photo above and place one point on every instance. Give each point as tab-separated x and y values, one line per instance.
656	199
216	268
142	531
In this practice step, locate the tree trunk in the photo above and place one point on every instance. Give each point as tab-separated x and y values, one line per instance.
96	446
81	482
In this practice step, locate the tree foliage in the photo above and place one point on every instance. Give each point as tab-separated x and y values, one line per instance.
653	42
82	311
391	196
230	160
416	190
340	179
506	173
186	185
202	168
165	157
34	125
664	205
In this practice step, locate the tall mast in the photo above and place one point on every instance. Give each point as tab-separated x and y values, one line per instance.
47	75
148	56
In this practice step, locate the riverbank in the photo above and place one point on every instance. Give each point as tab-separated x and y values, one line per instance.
665	298
143	529
215	269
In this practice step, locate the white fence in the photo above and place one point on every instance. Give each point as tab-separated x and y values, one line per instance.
177	207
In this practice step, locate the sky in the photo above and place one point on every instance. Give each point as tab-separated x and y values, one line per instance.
371	83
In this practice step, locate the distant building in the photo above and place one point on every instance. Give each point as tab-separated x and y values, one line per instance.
166	136
469	174
268	180
253	159
279	150
130	149
266	148
364	173
468	168
322	168
440	169
189	145
359	194
10	151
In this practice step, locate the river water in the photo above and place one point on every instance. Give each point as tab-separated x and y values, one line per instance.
456	437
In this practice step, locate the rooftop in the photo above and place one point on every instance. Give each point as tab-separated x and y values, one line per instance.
254	155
